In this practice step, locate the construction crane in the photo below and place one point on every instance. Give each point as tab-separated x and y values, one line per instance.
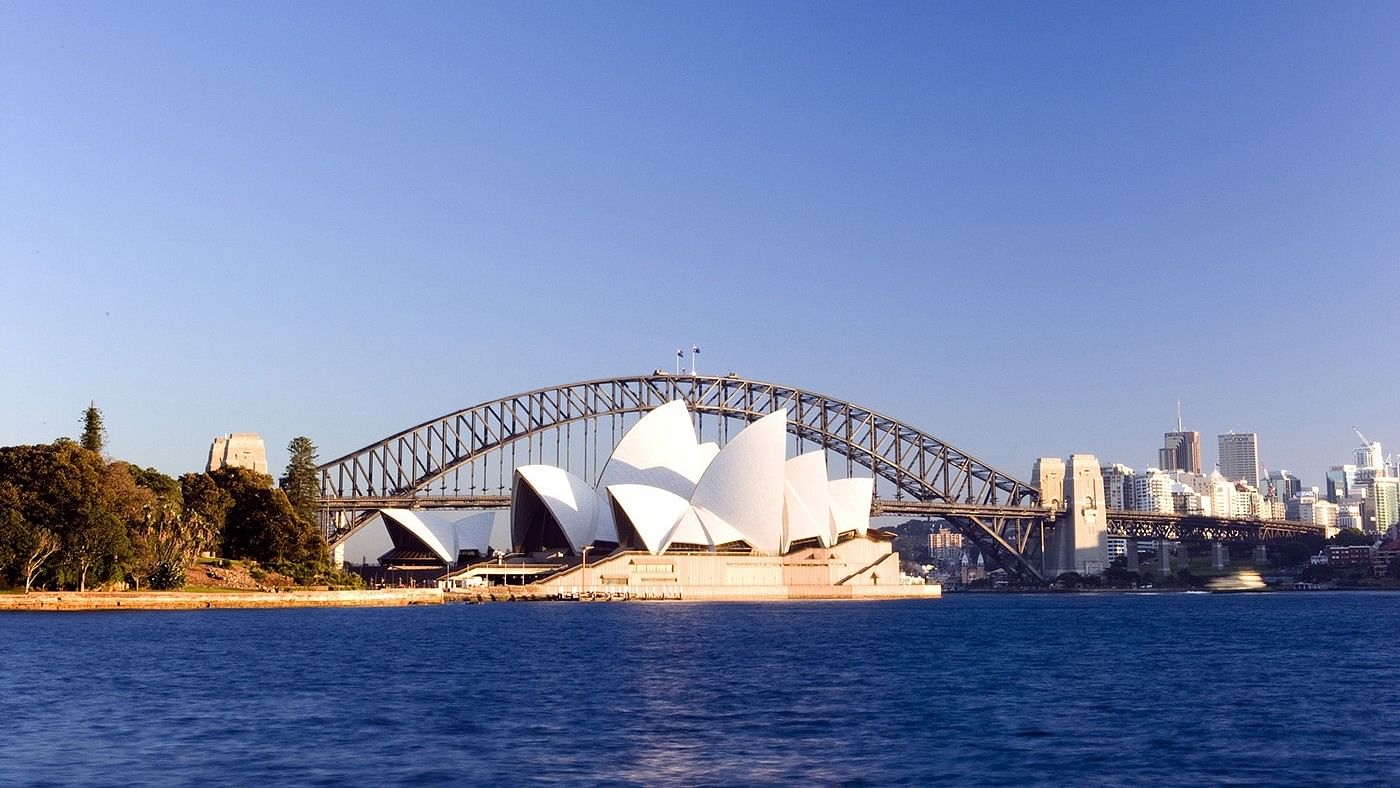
1372	453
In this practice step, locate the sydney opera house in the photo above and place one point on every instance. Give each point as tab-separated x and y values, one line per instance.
670	517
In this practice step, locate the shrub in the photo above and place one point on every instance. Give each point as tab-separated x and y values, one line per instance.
166	577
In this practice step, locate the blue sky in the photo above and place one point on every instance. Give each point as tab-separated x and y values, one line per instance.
1027	228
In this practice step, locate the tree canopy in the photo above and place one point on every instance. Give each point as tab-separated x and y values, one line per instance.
71	519
261	523
1348	537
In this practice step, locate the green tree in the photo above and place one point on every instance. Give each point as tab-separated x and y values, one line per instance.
165	489
57	488
30	546
1119	576
24	547
97	544
94	433
1070	580
167	544
302	483
1296	551
54	483
1317	573
204	497
1348	537
262	525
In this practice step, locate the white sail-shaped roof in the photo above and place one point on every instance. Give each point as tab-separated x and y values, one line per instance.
850	504
652	511
688	530
742	489
660	450
719	530
435	535
484	531
571	501
805	499
707	452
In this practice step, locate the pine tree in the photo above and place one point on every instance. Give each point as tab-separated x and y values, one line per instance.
301	482
94	433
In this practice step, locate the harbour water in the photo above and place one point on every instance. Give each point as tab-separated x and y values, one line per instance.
1170	689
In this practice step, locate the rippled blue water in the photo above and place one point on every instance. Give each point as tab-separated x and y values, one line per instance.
1274	689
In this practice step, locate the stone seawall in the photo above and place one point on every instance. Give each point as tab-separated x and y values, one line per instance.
691	593
179	600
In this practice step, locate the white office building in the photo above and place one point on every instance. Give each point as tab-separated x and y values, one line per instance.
1239	457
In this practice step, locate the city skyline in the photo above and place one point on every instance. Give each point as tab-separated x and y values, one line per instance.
229	220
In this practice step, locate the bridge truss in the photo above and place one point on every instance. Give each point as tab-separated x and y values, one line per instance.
467	457
1200	528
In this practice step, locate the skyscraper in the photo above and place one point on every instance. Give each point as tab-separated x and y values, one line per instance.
1283	485
1239	457
1340	481
1181	451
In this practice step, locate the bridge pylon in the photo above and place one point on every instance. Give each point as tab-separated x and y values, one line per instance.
1079	539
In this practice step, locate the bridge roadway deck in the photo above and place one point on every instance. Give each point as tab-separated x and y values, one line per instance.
1124	523
365	503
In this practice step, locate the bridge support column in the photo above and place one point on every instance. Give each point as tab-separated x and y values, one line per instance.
1261	554
1219	555
1130	561
1080	541
1164	558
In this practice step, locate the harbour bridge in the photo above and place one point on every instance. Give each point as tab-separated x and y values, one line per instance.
465	459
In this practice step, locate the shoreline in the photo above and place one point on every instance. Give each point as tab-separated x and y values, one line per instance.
74	601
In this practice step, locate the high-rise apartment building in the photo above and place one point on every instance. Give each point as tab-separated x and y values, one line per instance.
1325	514
1152	491
1382	508
1187	501
944	540
1349	511
1239	457
1118	486
1368	455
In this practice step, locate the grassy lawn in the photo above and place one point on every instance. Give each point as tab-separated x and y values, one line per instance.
213	590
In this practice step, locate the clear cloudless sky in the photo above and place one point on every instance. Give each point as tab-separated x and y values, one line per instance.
1028	228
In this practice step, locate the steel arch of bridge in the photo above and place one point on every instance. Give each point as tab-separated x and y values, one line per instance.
998	512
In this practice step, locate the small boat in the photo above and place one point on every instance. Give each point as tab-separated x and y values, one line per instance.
1240	582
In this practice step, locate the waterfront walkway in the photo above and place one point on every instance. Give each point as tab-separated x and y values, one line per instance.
193	600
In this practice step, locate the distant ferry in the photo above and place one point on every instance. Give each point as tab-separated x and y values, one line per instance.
1245	580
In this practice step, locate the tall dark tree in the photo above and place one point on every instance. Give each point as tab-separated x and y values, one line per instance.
262	525
300	483
205	498
94	433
